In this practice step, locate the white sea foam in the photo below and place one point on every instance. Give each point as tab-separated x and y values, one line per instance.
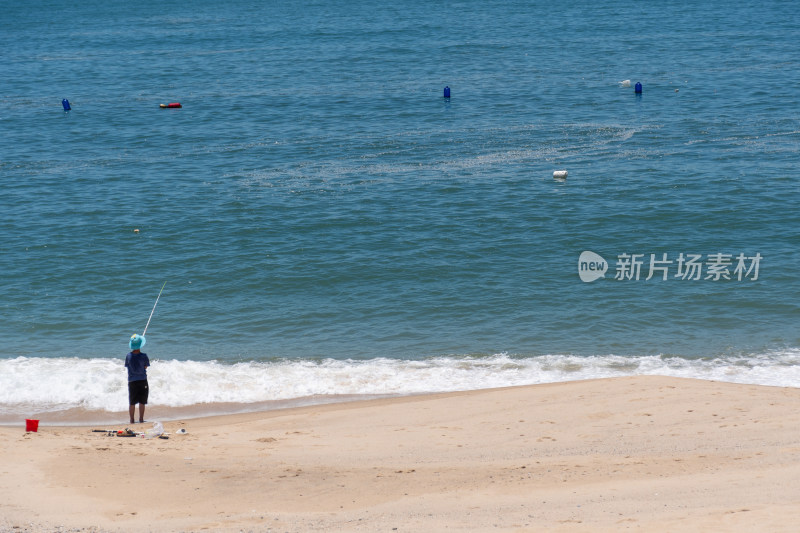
59	384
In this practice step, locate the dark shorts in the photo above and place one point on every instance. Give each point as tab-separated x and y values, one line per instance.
137	392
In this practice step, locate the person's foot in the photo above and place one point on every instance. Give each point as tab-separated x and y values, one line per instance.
132	422
141	421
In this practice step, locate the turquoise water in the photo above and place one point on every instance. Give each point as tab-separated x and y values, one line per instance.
328	224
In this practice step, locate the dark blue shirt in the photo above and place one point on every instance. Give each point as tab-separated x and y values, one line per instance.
137	364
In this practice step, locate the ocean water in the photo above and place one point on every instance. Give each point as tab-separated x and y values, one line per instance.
329	226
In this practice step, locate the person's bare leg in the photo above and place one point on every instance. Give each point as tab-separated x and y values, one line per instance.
141	413
132	411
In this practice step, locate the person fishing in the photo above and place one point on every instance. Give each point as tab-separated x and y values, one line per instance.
138	389
137	362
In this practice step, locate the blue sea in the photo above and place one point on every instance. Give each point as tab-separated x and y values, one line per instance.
327	225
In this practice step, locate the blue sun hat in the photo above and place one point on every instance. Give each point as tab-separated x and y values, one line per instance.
137	342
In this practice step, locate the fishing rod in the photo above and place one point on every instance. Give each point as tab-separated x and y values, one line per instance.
154	308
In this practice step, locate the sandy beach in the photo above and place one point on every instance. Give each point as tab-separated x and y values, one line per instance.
624	454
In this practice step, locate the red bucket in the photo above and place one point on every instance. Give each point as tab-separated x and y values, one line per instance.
31	425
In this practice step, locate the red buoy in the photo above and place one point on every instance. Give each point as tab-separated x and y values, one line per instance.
172	105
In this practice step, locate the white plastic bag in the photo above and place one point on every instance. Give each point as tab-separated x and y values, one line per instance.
156	431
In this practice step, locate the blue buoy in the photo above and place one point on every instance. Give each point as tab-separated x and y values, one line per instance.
447	92
65	103
638	88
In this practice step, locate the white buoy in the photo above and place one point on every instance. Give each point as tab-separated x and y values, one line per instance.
625	83
560	175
